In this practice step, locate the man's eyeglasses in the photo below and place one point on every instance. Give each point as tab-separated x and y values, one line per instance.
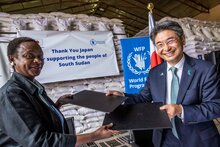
170	41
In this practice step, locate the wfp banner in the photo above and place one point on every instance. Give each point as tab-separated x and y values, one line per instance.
136	62
75	55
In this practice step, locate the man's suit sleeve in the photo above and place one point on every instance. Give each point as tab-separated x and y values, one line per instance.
143	97
208	107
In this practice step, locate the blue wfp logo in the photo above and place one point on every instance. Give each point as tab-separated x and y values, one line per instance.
93	42
137	62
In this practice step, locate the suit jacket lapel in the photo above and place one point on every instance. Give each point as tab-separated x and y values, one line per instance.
162	81
186	79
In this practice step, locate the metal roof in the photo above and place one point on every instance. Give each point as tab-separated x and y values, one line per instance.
133	13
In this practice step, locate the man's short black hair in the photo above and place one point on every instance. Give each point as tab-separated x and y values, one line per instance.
166	25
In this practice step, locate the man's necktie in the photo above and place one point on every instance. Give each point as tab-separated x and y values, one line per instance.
174	93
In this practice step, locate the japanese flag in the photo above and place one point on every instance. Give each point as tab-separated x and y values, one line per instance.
154	57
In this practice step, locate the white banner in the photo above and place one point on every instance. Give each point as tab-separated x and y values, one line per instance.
4	64
75	55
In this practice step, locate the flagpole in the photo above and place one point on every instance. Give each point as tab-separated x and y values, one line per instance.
151	22
154	58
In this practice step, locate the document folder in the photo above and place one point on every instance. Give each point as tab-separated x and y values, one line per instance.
96	100
144	116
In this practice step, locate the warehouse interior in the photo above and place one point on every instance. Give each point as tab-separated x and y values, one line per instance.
133	13
199	19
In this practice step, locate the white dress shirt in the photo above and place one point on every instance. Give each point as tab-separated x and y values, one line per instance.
179	67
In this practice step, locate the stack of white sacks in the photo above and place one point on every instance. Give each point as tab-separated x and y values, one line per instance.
202	37
59	21
86	120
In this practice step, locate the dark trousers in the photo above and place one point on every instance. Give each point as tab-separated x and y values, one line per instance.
169	140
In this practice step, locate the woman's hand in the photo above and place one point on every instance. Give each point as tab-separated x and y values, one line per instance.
64	100
101	133
104	132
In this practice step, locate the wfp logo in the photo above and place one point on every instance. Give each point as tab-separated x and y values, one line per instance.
93	42
137	62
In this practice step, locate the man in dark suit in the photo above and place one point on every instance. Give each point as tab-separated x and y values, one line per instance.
194	85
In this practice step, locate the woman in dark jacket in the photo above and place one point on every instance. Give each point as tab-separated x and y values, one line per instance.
28	117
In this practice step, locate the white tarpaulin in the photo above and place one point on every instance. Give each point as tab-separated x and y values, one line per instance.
75	55
4	64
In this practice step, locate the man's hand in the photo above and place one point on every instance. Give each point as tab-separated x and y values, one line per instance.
114	92
172	109
63	100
